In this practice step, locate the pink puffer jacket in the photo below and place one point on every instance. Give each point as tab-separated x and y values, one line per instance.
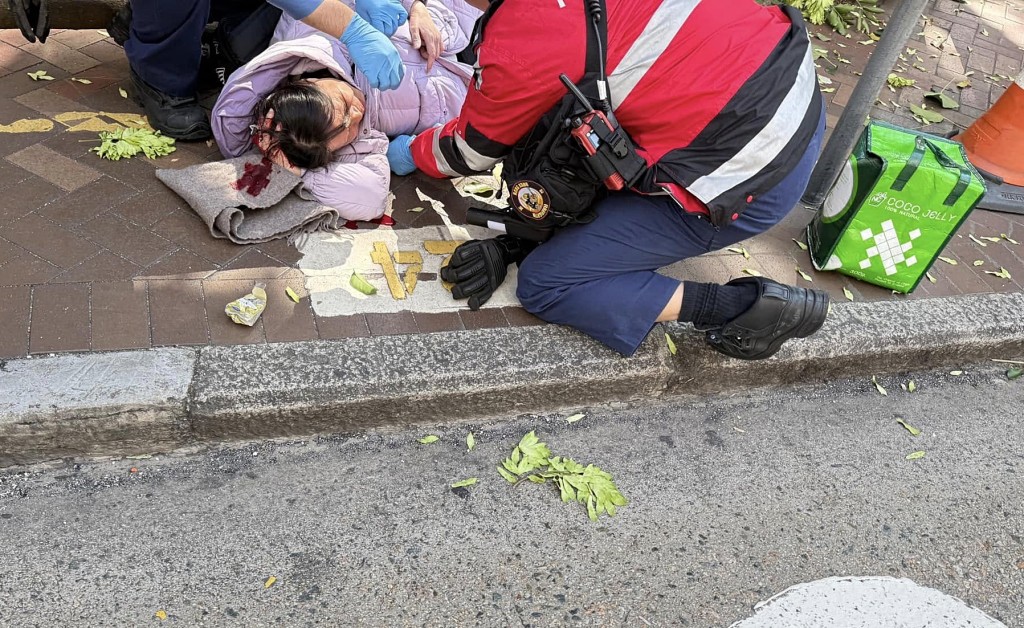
356	183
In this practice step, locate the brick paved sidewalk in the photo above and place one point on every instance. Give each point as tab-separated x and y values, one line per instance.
98	255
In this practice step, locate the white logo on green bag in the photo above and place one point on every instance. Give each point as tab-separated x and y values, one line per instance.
888	247
877	198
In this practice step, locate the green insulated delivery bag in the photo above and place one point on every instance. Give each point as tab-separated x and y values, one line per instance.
898	200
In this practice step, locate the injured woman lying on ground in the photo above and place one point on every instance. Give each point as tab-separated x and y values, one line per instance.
303	106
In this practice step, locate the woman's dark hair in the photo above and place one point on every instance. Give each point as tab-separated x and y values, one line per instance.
306	117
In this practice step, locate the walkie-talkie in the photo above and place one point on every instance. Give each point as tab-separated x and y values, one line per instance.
610	153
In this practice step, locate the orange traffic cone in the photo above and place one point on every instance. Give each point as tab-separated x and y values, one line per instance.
995	142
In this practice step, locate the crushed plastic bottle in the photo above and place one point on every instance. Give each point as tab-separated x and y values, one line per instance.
246	310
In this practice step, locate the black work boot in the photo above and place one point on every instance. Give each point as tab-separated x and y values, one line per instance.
781	312
175	116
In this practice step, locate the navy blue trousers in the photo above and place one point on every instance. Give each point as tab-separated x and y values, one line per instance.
600	277
164	44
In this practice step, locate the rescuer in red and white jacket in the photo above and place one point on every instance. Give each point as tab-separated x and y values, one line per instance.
721	99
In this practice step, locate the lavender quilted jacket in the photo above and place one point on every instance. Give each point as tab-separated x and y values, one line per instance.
356	183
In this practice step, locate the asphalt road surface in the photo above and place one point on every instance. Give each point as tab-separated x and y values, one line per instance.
731	501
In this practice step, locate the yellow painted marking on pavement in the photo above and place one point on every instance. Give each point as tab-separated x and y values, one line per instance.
412	276
92	121
77	121
382	257
445	284
38	125
441	247
408	257
414	261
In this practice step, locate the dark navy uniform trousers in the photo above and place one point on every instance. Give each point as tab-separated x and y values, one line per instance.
166	36
600	277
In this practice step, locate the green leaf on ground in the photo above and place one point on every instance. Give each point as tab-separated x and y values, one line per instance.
910	428
576	417
671	345
927	116
124	94
291	294
821	37
752	272
803	247
847	294
81	80
944	100
931	278
479	189
1002	274
1008	239
739	250
956	372
915	456
466	482
360	284
125	143
976	240
948	260
414	210
1014	372
508	476
470	442
963	84
911	386
881	389
895	80
804	275
590	486
40	75
430	438
978	262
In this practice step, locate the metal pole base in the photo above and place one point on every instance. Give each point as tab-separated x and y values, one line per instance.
1003	197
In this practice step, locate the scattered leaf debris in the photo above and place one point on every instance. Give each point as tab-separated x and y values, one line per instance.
910	428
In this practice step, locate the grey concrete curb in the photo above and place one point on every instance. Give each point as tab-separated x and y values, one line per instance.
161	399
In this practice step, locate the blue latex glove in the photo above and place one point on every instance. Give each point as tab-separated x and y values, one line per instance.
373	54
384	15
400	155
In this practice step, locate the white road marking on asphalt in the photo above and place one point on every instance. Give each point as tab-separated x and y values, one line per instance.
875	602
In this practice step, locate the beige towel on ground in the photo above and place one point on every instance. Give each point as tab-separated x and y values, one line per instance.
250	205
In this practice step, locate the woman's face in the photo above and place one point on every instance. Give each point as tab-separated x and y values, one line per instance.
349	106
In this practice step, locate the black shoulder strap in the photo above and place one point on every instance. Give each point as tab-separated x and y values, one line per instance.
597	45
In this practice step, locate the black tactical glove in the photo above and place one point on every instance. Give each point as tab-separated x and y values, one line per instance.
33	18
478	267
